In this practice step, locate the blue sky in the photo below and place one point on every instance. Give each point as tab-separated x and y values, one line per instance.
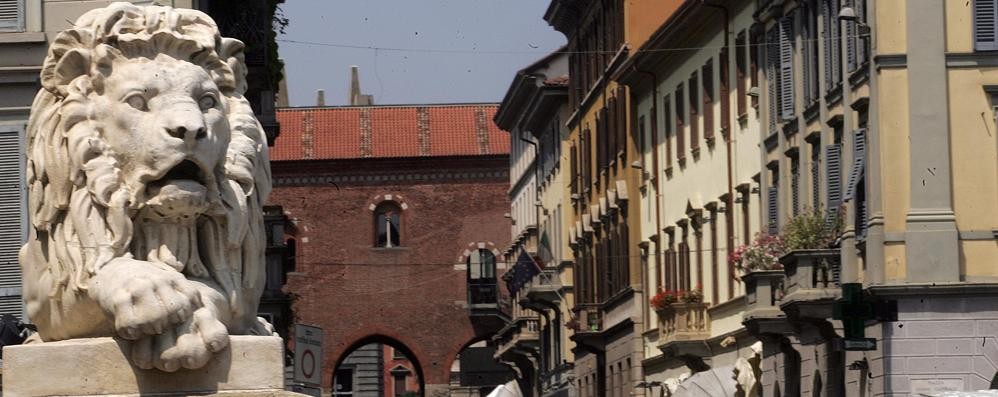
483	43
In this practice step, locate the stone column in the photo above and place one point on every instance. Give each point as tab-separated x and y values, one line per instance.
931	237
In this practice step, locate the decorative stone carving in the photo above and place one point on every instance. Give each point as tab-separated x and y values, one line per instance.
747	372
147	172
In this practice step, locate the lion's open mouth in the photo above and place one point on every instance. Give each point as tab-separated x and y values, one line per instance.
185	170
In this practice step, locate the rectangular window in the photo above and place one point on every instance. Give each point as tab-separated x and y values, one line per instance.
694	89
399	380
754	51
831	43
684	259
621	147
707	74
985	25
773	201
714	269
741	72
680	123
725	90
816	174
11	15
786	68
773	77
642	142
669	129
809	33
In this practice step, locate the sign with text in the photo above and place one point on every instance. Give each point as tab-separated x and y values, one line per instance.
308	354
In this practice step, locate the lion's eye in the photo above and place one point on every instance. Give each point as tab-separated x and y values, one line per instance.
207	102
136	101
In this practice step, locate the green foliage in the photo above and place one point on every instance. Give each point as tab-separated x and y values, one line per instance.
808	230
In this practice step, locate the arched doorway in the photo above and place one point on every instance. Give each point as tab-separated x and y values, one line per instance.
377	366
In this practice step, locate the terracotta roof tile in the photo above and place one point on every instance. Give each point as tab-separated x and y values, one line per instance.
388	131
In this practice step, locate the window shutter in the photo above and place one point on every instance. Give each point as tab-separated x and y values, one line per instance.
826	44
11	210
833	175
11	15
787	68
807	36
795	187
772	207
851	45
862	42
986	25
772	76
858	162
815	178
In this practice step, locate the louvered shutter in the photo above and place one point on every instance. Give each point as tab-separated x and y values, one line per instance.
806	36
772	76
826	43
986	25
862	41
858	162
787	68
11	15
815	179
851	45
833	175
772	209
11	230
795	188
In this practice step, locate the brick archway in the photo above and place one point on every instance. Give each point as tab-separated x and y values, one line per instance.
384	340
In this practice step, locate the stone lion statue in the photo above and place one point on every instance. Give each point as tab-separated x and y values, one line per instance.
146	172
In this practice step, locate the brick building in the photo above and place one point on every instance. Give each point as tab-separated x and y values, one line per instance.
394	212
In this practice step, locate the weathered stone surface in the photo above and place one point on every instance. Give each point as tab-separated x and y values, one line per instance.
147	173
251	365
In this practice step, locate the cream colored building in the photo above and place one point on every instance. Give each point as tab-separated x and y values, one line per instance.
699	141
536	342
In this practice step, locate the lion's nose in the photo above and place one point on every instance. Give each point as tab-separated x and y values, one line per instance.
190	132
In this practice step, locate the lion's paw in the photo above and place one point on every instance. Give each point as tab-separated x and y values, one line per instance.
189	345
143	298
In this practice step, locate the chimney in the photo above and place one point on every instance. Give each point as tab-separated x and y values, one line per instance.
320	98
356	98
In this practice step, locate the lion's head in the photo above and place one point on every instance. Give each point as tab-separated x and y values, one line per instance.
142	126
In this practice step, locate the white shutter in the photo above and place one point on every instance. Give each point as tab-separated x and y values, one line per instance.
11	15
985	25
787	68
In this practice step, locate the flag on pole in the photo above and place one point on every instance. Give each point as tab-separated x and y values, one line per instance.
524	270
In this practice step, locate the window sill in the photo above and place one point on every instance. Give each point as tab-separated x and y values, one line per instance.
834	95
22	37
771	142
812	111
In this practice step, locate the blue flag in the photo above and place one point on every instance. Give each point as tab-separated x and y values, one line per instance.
524	270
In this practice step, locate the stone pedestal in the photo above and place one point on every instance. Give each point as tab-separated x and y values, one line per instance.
250	366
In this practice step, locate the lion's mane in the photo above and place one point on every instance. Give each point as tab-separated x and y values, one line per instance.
81	212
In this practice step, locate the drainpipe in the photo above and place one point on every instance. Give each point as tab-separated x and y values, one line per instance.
729	212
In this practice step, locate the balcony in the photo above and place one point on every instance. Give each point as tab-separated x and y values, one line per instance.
812	282
486	306
589	317
763	290
517	338
544	287
683	322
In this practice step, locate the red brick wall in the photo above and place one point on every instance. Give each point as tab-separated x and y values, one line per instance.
413	294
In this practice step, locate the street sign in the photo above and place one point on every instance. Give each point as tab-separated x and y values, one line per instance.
308	354
860	344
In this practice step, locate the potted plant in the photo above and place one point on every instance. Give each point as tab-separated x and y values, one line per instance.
761	272
663	300
809	260
692	296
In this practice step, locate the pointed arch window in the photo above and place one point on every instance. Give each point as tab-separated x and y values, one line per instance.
388	225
